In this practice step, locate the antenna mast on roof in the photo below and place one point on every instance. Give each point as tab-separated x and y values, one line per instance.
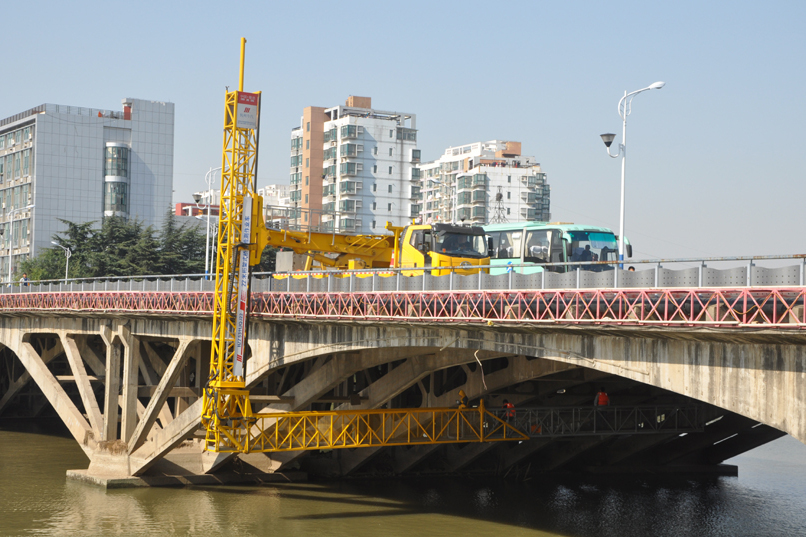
499	216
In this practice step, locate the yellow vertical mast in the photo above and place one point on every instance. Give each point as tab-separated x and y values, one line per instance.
227	413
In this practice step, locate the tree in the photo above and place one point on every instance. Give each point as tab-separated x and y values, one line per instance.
182	248
121	247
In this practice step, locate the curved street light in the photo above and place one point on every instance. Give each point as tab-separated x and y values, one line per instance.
208	177
67	254
624	109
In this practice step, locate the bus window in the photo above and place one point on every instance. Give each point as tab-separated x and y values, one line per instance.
496	239
538	244
593	246
510	245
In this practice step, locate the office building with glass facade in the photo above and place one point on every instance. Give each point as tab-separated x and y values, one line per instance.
81	164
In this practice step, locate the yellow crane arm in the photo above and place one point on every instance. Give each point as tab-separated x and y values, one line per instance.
375	251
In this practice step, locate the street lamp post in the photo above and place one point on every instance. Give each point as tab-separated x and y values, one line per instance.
624	108
208	179
67	254
11	235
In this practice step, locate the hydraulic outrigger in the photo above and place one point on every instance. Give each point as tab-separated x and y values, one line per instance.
230	425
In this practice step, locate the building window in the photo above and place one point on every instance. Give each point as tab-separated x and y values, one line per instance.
375	169
306	198
508	211
374	150
390	151
375	187
117	162
115	196
373	224
306	180
390	170
390	189
307	144
307	162
308	128
390	207
374	206
509	195
391	133
509	179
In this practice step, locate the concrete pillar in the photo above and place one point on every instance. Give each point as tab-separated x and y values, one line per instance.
112	385
131	371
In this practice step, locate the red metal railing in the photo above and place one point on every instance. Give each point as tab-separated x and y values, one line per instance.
780	307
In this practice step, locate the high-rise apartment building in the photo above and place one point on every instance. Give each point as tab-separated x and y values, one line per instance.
484	182
80	164
352	168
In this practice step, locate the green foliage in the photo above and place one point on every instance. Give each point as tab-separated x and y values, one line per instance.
121	248
268	260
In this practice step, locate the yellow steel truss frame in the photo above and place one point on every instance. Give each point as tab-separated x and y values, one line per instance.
299	431
227	415
226	405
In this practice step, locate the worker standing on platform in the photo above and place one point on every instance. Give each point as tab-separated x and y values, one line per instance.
509	410
601	398
462	399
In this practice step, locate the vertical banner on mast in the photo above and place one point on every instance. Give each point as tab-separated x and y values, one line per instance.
243	286
247	110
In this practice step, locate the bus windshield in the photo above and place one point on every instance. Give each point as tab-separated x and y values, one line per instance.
460	244
593	246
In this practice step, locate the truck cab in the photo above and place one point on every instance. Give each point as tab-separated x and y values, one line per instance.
443	245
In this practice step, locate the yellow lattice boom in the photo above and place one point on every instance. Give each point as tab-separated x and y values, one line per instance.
226	402
299	431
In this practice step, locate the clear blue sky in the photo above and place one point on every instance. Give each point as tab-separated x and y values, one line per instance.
716	164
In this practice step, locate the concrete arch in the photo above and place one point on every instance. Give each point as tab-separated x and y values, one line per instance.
762	377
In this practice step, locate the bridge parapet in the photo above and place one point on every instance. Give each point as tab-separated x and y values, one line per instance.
721	307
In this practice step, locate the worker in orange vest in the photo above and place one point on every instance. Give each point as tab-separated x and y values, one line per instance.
509	410
601	398
462	400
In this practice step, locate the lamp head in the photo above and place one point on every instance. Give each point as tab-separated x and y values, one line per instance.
608	138
657	85
197	197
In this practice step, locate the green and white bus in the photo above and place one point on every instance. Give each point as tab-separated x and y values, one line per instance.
517	243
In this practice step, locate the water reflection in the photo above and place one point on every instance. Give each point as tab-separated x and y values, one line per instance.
767	500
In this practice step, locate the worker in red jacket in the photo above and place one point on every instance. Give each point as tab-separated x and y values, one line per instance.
509	409
601	398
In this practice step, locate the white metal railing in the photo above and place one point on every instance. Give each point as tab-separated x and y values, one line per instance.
649	273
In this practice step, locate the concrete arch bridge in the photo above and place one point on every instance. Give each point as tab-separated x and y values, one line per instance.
123	369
